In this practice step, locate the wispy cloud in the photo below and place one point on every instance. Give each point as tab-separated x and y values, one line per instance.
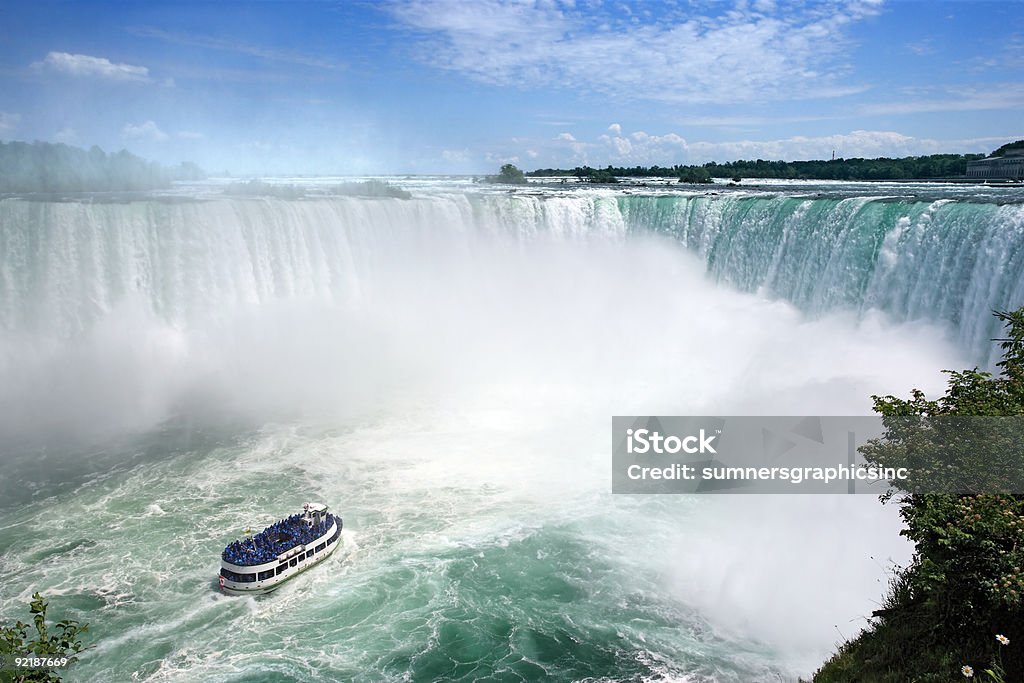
741	121
67	135
1005	57
143	131
94	67
8	121
763	52
922	48
229	45
997	96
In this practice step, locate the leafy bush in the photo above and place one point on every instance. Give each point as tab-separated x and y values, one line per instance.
695	175
64	644
509	175
965	584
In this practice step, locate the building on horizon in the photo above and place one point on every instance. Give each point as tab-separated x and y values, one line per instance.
1010	165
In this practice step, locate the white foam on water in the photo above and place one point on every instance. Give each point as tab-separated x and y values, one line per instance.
444	378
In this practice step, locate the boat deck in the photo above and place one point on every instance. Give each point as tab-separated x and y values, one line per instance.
278	538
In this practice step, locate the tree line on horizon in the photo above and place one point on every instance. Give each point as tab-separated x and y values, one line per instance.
857	168
882	168
56	167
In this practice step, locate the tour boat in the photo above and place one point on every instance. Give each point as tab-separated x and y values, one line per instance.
262	562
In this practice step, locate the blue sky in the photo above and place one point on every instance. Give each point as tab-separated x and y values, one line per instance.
423	86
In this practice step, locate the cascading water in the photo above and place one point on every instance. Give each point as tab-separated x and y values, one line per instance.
946	261
441	371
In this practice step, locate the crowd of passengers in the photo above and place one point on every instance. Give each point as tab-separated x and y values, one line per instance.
279	537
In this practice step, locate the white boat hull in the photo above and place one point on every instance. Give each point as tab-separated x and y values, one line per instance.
263	578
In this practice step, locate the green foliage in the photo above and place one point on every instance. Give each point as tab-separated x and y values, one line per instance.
65	642
46	167
695	175
510	175
1019	144
604	176
966	581
933	166
900	647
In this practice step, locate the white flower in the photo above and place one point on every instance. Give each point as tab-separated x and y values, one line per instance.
967	671
1003	640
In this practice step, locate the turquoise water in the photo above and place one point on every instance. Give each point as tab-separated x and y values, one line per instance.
435	590
441	372
432	582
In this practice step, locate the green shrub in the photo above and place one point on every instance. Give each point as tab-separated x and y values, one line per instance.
64	643
965	584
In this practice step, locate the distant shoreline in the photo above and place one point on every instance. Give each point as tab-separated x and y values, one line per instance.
946	168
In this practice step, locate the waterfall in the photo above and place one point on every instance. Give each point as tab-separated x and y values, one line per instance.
945	261
66	265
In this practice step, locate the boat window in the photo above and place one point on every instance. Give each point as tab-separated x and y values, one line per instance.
281	568
266	575
294	562
321	547
236	577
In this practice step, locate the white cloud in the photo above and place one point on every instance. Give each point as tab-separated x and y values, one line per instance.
774	52
98	67
501	159
578	148
456	155
143	131
922	48
67	135
640	147
8	121
615	128
1007	58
